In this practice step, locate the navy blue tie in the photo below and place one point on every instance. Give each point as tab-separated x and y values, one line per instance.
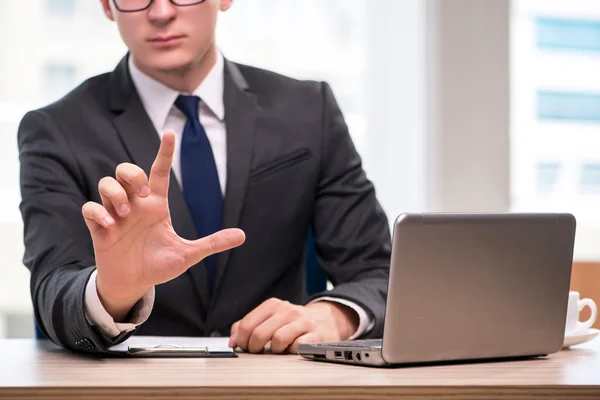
199	178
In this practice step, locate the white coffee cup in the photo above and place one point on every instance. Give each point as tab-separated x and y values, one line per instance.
573	326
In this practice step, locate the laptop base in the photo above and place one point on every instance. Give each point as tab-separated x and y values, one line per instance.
358	355
372	357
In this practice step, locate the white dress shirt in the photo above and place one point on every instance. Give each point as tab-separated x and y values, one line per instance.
158	101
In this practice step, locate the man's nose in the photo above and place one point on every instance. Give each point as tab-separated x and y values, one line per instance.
162	11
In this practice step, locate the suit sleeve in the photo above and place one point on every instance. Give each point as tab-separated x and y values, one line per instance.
58	246
351	230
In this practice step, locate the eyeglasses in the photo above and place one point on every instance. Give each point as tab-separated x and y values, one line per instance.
141	5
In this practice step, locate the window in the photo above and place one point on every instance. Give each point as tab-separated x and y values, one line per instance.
58	80
556	113
547	176
572	107
315	39
567	33
62	8
590	179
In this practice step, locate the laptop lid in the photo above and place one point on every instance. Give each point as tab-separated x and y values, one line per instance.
477	286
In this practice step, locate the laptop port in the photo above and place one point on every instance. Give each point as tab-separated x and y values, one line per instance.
348	355
358	358
338	354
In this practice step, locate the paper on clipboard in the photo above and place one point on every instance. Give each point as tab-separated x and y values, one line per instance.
219	345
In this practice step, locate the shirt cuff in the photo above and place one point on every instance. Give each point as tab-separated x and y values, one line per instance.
97	316
365	322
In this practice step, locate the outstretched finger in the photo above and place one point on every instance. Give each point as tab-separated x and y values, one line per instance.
226	239
159	174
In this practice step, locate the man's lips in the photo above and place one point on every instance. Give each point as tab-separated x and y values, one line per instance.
166	40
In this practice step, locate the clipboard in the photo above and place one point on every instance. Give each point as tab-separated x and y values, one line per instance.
163	346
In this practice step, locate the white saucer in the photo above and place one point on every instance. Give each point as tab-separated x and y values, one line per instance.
580	337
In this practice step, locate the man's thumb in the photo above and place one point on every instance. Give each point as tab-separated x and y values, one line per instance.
225	239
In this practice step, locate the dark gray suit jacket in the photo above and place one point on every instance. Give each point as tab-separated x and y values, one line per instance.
291	165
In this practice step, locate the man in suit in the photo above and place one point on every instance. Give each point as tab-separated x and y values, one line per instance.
174	196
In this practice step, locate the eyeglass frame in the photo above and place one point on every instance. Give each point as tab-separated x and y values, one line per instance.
150	3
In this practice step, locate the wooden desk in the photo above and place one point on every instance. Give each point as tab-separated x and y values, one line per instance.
29	369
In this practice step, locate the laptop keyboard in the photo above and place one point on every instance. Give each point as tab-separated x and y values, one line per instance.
353	343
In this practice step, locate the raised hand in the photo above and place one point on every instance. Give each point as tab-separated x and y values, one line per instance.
134	242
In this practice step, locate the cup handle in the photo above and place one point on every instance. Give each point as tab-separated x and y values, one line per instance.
590	303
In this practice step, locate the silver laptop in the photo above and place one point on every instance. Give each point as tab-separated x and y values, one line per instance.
467	287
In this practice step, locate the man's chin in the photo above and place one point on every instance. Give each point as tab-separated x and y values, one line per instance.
168	62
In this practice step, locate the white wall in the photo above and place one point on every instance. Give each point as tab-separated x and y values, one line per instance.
438	105
468	105
395	152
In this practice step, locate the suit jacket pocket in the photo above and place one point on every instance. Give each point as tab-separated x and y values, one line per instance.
280	163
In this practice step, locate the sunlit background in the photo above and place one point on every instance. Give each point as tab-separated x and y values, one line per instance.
454	105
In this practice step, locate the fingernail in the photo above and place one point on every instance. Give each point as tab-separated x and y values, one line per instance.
145	191
124	209
108	220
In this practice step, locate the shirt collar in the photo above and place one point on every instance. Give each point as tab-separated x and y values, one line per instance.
158	99
211	88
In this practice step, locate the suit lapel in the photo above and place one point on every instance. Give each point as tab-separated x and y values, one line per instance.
240	116
142	142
